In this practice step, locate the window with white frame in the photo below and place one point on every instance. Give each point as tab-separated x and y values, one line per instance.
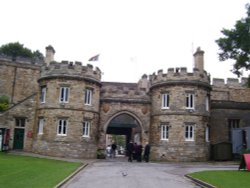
40	125
86	129
64	94
207	103
189	100
207	135
43	94
165	101
20	122
189	132
88	96
164	132
62	127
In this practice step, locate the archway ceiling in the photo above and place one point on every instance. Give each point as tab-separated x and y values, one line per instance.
122	125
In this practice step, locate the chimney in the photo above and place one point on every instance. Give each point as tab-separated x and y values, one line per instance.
50	52
144	83
199	59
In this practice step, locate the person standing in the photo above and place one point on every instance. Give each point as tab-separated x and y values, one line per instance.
139	152
146	152
113	147
108	151
130	150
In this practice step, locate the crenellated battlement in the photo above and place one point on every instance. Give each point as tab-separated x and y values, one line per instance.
123	91
176	75
71	69
229	82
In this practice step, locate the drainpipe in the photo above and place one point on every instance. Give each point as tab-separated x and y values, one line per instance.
13	86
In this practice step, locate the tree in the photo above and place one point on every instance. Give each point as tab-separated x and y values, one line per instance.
236	45
16	49
4	102
38	55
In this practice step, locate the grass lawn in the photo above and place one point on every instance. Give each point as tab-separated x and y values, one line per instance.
224	178
22	171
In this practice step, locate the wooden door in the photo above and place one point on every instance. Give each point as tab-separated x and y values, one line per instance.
18	138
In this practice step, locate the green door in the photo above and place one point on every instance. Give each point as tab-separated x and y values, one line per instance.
18	138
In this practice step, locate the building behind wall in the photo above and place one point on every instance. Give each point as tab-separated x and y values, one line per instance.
64	109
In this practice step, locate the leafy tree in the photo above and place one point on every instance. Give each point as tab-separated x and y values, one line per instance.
38	55
16	49
119	139
236	45
4	103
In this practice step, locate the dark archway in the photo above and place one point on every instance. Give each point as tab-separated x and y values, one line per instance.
126	125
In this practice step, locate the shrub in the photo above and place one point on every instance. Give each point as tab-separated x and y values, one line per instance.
4	103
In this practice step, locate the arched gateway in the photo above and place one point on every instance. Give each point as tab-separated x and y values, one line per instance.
124	111
127	124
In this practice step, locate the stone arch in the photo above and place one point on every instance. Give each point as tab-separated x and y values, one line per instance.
127	123
132	114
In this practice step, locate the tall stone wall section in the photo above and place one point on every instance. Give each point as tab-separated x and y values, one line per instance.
177	82
230	99
18	81
25	109
77	78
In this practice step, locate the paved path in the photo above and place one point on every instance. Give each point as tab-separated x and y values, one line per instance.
118	173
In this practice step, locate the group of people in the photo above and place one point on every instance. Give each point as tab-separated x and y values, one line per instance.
134	152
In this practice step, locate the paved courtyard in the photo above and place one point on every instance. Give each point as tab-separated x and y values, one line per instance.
118	173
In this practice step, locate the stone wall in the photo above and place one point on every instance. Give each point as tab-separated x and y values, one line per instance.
177	116
73	144
232	90
18	80
75	111
25	109
176	148
229	100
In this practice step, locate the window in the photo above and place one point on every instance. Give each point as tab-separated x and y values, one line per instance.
86	129
40	125
165	101
164	132
190	101
64	94
62	127
88	97
20	122
189	133
207	134
43	94
232	124
207	103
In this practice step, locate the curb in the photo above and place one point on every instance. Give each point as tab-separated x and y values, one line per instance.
70	176
199	182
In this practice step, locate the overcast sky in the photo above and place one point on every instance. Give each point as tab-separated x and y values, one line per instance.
133	37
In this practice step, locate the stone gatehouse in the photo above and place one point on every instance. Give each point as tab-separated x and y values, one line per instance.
65	109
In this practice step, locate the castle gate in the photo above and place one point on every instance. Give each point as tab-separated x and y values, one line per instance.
124	123
124	110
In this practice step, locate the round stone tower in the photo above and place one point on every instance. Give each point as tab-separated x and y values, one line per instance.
68	110
180	113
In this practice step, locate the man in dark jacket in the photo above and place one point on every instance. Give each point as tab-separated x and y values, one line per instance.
113	149
146	152
130	149
138	152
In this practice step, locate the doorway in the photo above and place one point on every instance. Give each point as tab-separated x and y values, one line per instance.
18	138
122	129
